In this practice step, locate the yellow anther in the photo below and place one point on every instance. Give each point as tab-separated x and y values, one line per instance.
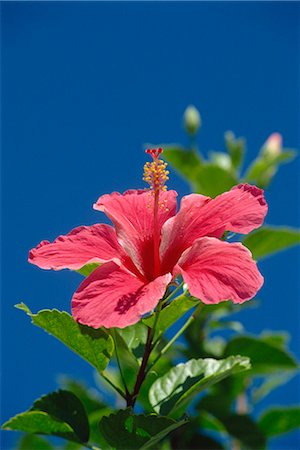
155	174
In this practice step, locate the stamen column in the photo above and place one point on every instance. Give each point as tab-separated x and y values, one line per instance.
156	175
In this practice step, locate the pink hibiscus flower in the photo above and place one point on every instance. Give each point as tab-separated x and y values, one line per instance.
150	245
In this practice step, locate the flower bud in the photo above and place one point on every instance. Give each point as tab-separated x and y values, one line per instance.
192	120
273	145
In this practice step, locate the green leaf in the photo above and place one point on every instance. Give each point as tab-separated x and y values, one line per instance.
39	422
243	428
123	430
70	445
218	405
95	346
171	313
268	240
277	421
88	269
270	383
212	180
205	178
173	391
222	160
67	407
279	338
185	162
214	347
225	324
60	414
209	422
235	147
90	398
93	405
162	366
234	386
265	357
220	419
127	360
33	442
267	165
197	441
135	337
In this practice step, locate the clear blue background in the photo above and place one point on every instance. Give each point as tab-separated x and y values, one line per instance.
84	85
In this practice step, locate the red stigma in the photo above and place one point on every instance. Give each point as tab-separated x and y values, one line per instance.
154	152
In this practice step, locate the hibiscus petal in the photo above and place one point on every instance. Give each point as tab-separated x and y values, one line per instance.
133	217
241	210
215	270
114	297
83	245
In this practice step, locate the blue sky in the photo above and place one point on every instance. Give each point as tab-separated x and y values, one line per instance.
84	86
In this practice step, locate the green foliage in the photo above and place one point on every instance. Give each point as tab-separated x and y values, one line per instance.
134	337
225	324
59	413
265	358
171	313
265	166
218	404
93	405
269	240
206	178
90	398
215	412
222	160
128	362
212	180
174	391
33	442
243	428
95	346
125	430
64	405
186	162
193	438
209	422
269	383
88	269
277	421
279	338
236	149
39	422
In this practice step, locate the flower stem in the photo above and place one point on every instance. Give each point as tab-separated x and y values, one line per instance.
149	346
175	337
131	399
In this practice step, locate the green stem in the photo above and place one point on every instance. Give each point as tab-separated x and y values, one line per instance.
159	308
119	364
116	388
174	338
131	399
164	301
